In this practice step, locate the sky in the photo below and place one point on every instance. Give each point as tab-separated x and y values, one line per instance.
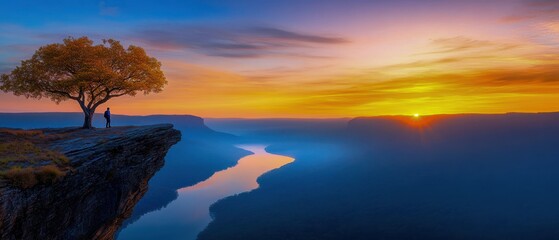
310	59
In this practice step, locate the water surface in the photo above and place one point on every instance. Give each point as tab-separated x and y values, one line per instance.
185	217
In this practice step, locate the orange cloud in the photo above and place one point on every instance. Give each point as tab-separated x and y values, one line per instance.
466	76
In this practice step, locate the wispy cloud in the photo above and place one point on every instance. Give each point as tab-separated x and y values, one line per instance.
234	42
466	75
477	91
281	34
534	9
551	29
462	44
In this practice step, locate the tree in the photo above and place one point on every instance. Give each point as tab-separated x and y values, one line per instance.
89	74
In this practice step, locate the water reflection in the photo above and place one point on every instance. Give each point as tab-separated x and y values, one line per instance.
189	214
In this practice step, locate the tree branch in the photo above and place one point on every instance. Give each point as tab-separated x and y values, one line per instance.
104	100
63	94
120	94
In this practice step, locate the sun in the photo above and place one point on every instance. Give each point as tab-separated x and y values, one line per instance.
416	115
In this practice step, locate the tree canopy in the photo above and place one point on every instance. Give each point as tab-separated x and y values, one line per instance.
89	74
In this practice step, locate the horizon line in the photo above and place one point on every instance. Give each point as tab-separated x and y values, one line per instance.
299	118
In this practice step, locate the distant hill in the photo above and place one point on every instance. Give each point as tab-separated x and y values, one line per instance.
192	124
272	130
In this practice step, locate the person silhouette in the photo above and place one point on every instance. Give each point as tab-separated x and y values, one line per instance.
107	116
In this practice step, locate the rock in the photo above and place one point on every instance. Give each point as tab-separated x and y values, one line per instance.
111	170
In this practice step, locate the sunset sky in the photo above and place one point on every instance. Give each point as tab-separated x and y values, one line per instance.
303	58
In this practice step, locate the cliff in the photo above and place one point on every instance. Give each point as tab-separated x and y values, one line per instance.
108	174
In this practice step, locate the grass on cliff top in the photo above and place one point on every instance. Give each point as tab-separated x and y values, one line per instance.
25	161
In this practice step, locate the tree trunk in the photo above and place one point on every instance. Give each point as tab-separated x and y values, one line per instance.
88	117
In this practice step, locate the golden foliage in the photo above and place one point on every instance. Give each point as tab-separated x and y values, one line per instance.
31	176
90	74
21	177
48	174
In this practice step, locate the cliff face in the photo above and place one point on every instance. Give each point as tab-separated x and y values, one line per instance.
111	169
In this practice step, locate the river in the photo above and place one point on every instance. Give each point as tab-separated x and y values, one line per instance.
189	214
